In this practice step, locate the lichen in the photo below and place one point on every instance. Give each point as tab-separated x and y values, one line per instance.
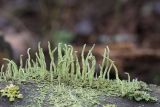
69	74
11	92
109	105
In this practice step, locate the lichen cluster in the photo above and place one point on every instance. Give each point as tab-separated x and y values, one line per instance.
11	92
78	72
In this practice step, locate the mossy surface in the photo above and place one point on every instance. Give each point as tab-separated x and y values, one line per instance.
70	80
47	95
52	95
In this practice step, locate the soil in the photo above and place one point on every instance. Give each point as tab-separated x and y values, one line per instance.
30	90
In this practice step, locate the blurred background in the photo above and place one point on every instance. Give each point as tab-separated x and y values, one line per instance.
131	29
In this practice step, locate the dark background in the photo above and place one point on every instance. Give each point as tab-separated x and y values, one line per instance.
131	28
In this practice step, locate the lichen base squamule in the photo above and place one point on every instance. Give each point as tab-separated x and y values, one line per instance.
11	92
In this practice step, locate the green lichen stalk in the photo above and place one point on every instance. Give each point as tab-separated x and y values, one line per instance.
78	72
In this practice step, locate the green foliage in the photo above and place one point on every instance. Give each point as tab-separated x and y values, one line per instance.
77	72
11	92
